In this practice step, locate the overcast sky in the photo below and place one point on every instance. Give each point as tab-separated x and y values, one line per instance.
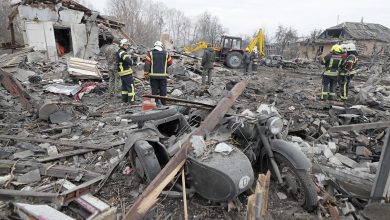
246	16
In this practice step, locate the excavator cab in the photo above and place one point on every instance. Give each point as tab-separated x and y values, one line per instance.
229	51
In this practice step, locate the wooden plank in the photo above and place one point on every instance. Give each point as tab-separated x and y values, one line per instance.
64	154
334	214
356	127
41	212
381	186
257	208
89	198
49	170
151	193
104	146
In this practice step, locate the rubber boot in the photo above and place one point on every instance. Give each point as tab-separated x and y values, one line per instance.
125	98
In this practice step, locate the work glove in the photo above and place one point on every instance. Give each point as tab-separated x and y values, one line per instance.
146	75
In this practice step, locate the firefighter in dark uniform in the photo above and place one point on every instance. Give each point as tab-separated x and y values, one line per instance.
156	66
125	72
333	61
347	72
255	60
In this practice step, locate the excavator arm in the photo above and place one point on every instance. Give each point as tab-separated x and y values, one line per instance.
258	42
200	45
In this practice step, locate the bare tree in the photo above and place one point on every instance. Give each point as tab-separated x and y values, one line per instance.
285	36
208	28
146	20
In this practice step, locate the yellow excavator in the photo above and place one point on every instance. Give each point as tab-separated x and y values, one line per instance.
230	50
257	42
198	46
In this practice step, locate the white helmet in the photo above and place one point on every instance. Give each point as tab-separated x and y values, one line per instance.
124	42
158	45
348	47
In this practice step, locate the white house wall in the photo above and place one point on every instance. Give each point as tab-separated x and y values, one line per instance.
35	35
69	16
37	26
79	39
40	35
41	14
50	41
93	41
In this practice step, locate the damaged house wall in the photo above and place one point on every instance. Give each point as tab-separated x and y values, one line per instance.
55	30
370	39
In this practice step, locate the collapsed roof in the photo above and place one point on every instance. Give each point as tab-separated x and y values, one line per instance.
356	31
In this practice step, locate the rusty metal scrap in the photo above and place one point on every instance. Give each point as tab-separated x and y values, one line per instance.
151	193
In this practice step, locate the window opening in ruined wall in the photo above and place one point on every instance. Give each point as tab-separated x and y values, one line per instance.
63	39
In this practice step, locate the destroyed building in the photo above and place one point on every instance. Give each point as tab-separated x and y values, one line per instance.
369	38
70	150
60	27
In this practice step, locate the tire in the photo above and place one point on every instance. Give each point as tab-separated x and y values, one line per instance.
233	59
152	115
144	160
307	195
310	201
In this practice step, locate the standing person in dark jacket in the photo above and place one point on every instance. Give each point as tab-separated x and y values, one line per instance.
110	52
255	61
125	72
347	71
246	59
208	64
156	66
333	61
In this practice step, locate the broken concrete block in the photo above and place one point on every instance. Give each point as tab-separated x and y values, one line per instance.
364	164
23	154
124	122
134	193
4	179
60	117
281	195
333	147
363	140
52	150
362	169
346	160
198	145
348	209
46	110
305	144
30	177
177	93
363	151
311	150
374	167
333	160
296	139
223	148
327	152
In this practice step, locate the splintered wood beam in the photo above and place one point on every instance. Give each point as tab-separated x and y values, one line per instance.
257	208
149	197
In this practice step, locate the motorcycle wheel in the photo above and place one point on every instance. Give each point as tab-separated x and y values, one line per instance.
297	183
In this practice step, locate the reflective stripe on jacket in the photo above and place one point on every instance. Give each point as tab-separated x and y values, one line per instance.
124	63
157	63
332	63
